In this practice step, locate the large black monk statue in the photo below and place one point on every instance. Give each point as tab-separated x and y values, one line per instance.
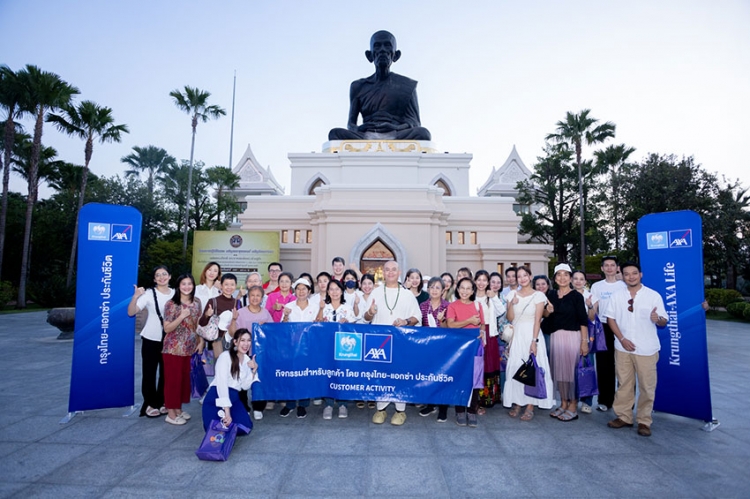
387	101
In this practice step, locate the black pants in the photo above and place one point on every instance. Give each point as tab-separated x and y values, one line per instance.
259	405
605	369
473	403
152	387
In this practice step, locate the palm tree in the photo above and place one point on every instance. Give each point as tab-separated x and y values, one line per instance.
195	103
149	159
222	178
576	129
46	92
612	159
12	102
90	122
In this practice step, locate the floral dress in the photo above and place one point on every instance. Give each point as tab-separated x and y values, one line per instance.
183	340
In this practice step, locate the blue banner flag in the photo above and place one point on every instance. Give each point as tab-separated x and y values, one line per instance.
671	252
364	362
109	239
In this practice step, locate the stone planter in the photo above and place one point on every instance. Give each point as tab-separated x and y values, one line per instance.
63	319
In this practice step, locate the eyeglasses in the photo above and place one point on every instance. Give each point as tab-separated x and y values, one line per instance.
161	274
630	303
275	270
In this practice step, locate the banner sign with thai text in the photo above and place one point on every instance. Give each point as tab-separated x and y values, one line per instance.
102	374
237	251
671	254
364	362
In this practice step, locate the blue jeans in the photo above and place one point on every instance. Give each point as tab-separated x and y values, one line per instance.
291	404
329	402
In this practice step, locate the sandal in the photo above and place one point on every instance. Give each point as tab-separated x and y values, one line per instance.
568	416
528	415
557	412
514	411
152	413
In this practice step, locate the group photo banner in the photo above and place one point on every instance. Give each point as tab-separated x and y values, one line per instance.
671	253
364	362
102	372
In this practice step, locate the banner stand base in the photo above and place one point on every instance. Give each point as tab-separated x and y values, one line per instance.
130	410
711	425
70	416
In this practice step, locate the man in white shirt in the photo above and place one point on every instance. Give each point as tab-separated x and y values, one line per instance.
601	291
634	314
392	305
510	281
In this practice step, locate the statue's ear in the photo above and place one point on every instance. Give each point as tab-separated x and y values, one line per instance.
368	54
396	55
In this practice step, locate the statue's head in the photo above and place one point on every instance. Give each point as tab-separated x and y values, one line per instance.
383	49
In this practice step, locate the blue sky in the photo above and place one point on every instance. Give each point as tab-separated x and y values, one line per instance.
673	75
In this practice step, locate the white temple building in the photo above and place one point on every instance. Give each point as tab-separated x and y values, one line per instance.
372	200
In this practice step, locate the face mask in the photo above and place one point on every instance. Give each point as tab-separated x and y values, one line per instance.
351	284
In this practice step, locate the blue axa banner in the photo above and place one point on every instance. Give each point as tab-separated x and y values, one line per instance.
364	362
671	251
109	240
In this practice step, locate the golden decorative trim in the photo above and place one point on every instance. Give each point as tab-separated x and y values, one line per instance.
410	146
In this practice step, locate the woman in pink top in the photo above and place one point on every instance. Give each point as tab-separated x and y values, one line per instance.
276	300
464	313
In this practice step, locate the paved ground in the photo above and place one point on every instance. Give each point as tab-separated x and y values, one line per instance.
102	454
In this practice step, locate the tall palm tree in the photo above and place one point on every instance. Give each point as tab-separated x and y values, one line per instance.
12	103
194	102
149	159
46	92
90	122
574	131
612	160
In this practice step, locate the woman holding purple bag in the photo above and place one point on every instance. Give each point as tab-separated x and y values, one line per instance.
235	371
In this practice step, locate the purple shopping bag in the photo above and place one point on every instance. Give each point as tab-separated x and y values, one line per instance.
198	380
596	331
539	389
479	368
208	361
586	378
219	440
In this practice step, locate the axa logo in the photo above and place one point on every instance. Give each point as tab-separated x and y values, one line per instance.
98	231
348	346
378	347
681	238
657	240
122	233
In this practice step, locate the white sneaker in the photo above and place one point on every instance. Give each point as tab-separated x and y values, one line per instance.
317	401
257	415
343	412
328	412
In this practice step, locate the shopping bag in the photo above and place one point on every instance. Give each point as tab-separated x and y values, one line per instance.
586	378
539	389
596	331
479	368
219	441
198	380
208	361
526	374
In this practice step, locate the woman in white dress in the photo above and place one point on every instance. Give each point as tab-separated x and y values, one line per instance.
525	308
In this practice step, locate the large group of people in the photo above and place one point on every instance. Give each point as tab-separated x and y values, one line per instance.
517	316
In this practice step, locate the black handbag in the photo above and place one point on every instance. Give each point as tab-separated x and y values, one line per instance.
526	374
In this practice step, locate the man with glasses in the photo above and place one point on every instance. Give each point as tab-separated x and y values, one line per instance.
274	271
392	305
601	292
633	315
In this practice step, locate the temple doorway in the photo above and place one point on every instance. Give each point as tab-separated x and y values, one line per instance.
374	257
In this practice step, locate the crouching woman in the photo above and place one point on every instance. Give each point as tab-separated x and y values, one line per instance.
235	370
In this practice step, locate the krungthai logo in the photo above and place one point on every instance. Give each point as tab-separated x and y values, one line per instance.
98	231
657	240
378	347
348	346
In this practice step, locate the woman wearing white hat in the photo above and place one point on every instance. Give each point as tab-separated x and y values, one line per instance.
570	339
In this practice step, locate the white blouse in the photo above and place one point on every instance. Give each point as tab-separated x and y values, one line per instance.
223	379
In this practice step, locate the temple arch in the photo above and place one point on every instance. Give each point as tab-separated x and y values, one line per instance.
444	183
379	233
315	181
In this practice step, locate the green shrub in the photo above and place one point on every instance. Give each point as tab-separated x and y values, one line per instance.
721	298
7	293
746	312
52	292
737	309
